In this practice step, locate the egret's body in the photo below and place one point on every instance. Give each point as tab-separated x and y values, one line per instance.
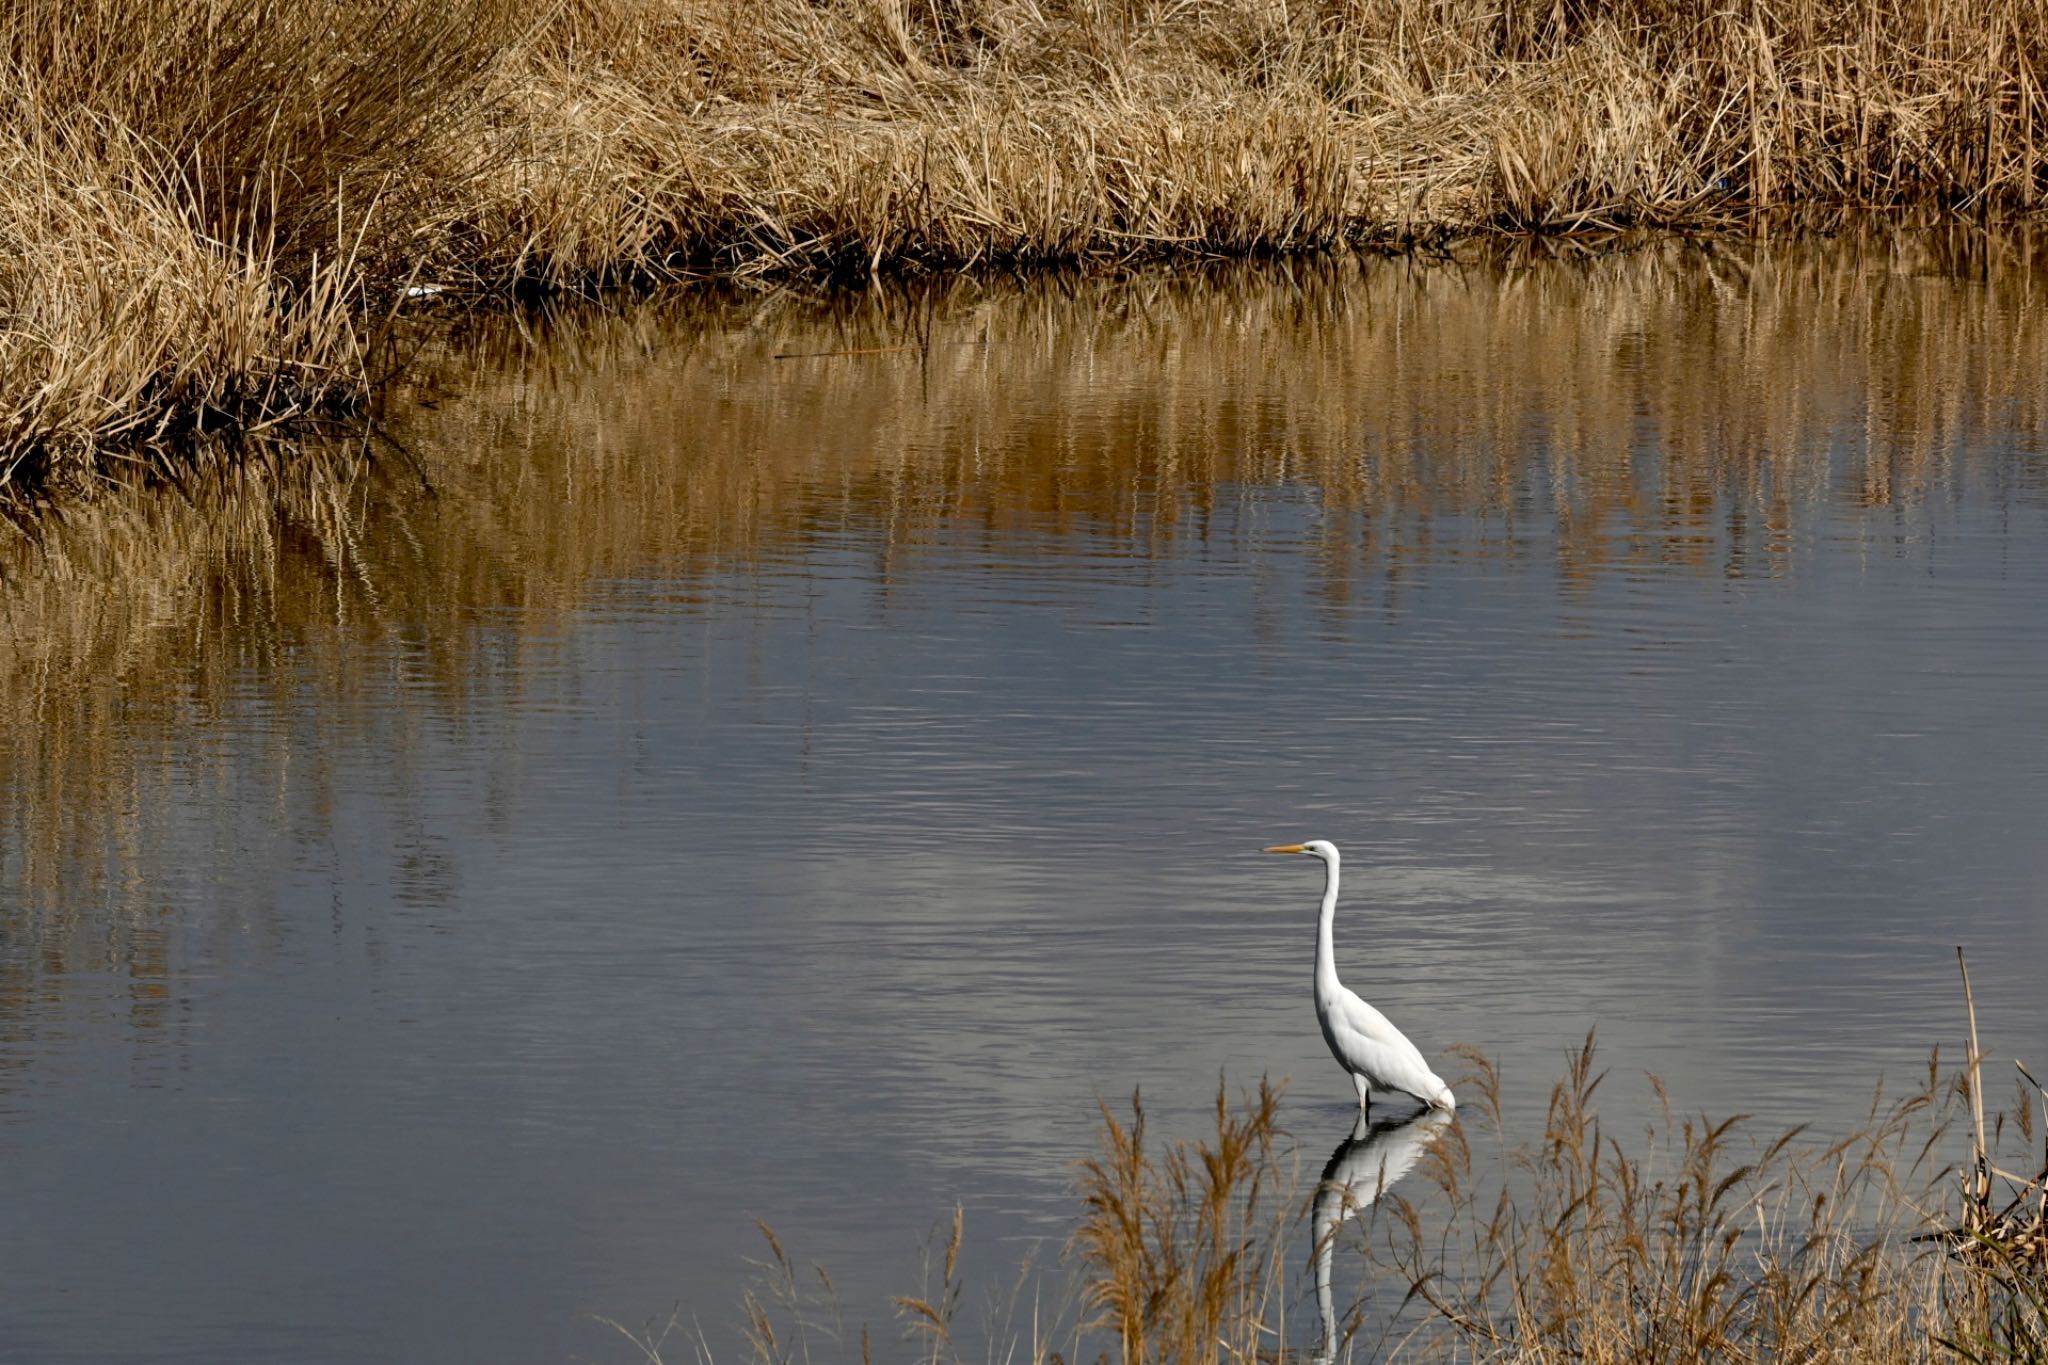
1378	1055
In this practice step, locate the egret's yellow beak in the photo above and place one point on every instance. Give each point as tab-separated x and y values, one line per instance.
1287	848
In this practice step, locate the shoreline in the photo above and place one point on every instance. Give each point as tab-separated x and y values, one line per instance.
230	252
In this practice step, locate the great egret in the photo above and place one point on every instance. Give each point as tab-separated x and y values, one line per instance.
1378	1055
1362	1168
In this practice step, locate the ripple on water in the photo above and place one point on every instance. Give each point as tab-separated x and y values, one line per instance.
805	799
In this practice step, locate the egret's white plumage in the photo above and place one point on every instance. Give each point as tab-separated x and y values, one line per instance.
1378	1055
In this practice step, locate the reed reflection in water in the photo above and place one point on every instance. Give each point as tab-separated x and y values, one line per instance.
431	864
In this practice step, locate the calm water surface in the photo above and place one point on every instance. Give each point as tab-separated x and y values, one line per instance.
447	900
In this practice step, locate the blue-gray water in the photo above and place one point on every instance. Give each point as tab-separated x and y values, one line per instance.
448	901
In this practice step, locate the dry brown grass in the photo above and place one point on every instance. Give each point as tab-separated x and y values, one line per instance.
1186	1260
1699	1243
2000	1234
209	209
206	208
1703	1242
853	135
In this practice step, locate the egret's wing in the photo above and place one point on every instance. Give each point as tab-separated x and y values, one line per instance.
1373	1028
1382	1052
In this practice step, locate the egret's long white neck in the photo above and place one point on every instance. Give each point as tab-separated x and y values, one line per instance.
1326	946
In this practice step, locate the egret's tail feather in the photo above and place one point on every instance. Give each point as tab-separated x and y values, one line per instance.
1444	1099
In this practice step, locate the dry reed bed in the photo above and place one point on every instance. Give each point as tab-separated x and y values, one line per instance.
211	211
1699	1242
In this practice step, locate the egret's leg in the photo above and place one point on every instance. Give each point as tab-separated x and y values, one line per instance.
1364	1093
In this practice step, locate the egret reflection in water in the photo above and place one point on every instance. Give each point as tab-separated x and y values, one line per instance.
1365	1165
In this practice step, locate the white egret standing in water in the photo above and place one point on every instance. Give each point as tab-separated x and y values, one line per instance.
1358	1173
1378	1055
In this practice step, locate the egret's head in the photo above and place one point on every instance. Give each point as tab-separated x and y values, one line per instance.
1315	848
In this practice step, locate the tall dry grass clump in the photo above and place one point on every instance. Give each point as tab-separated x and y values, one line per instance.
308	128
1703	1242
1184	1255
1699	1242
2000	1235
206	209
125	329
